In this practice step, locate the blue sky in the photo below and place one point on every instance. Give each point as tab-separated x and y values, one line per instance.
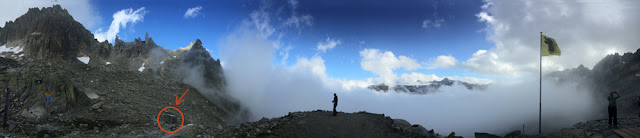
491	39
395	26
165	22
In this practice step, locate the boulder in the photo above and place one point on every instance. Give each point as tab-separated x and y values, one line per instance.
187	131
264	119
403	124
513	134
96	106
421	131
485	135
33	112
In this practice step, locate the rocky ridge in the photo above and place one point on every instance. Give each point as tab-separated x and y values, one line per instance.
321	123
592	128
121	87
615	72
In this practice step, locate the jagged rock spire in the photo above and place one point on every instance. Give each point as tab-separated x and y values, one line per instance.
197	45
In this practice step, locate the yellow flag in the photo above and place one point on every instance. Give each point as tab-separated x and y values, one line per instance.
549	46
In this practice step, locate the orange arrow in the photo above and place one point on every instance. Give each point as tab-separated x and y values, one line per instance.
178	101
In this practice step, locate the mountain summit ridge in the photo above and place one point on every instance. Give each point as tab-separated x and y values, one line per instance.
51	33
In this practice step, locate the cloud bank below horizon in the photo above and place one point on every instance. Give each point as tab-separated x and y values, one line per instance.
273	90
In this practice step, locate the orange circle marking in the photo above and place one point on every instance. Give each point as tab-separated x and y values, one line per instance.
180	116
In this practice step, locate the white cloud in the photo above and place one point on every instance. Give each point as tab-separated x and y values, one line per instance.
81	10
275	22
261	21
357	84
443	61
120	18
435	21
584	30
489	63
484	17
247	59
268	19
193	12
294	3
432	23
314	65
327	44
248	62
285	54
299	22
472	80
383	64
415	78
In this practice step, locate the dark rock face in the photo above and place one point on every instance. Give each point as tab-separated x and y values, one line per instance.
434	86
6	63
485	135
135	49
614	72
198	57
51	33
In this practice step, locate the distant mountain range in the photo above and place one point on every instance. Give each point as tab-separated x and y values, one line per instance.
427	87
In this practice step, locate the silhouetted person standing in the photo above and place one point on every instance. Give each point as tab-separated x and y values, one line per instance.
613	111
335	103
639	105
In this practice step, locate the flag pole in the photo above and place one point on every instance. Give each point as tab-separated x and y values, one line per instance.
540	108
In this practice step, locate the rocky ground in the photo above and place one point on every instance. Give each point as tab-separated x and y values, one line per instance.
108	102
322	124
601	127
99	89
593	128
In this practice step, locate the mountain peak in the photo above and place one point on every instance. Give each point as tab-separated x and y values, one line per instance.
55	9
445	80
48	33
197	44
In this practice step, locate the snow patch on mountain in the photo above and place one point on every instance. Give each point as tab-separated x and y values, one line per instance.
84	60
14	50
141	68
